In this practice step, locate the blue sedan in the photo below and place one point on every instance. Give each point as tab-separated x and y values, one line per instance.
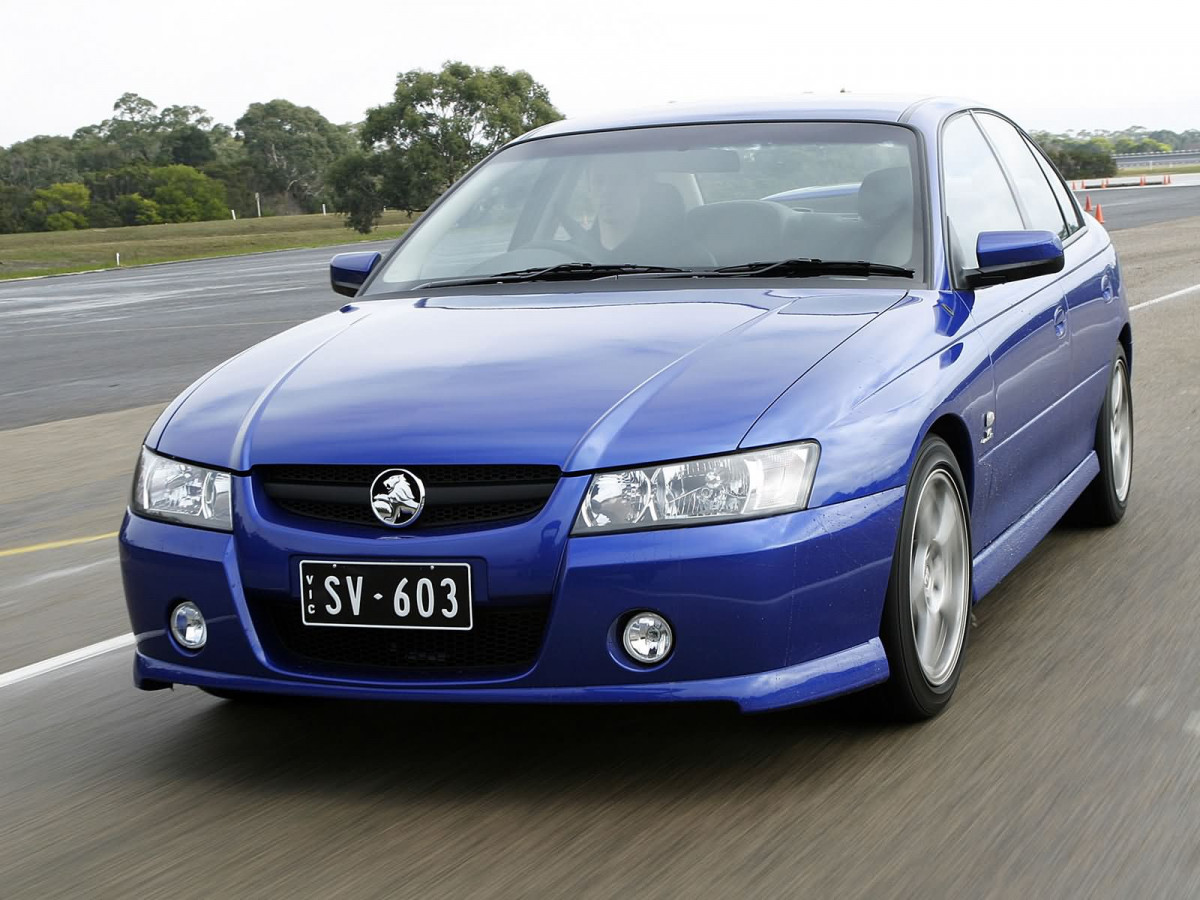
609	426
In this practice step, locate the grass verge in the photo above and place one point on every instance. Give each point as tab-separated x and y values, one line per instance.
59	252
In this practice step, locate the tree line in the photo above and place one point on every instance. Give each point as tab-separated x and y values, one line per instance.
147	165
1090	154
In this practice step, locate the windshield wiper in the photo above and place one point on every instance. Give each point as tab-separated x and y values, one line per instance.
803	268
572	271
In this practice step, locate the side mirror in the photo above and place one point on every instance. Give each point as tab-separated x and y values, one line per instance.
347	271
1013	255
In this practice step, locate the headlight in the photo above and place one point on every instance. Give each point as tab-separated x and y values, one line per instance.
715	489
182	492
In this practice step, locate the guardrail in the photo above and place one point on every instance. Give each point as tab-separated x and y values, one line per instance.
1157	158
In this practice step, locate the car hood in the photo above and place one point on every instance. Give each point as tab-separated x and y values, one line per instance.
582	380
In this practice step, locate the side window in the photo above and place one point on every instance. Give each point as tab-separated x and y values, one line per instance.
1030	180
1066	203
977	194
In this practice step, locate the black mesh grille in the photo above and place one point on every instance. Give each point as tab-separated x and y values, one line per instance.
455	495
503	638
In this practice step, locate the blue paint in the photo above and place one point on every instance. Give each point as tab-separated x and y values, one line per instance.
1000	249
348	271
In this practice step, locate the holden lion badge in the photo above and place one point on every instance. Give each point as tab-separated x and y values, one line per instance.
397	497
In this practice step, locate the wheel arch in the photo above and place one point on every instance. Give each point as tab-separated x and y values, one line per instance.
953	430
1126	340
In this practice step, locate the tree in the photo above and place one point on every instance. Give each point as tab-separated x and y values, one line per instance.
355	181
437	126
236	173
60	207
39	162
187	145
14	207
290	148
107	186
134	209
185	195
1076	157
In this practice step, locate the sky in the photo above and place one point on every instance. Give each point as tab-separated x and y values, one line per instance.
1053	66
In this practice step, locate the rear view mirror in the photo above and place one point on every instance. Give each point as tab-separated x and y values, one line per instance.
348	271
1013	255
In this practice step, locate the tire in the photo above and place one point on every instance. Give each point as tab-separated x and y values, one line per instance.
927	613
1103	502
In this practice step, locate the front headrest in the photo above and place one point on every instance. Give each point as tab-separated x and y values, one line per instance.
884	194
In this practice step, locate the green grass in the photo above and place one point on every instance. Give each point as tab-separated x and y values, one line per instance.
1158	170
58	252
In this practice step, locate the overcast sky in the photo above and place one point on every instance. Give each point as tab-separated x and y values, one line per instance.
1050	65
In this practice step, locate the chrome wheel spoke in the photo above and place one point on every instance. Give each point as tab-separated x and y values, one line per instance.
927	636
947	520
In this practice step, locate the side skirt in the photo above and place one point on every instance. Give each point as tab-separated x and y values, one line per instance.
1003	554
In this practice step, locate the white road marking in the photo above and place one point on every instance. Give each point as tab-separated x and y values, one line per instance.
16	676
57	573
1195	288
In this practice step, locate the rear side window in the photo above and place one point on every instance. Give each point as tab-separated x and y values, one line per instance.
1065	202
977	194
1027	175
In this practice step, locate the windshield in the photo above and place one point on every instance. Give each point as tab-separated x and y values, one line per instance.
693	197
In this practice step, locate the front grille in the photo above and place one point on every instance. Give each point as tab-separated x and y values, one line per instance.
455	495
502	638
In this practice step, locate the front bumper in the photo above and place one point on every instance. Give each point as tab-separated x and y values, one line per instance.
767	613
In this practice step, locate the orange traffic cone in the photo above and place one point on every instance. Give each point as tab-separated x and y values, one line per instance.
1168	179
1143	184
1099	213
1087	206
1104	183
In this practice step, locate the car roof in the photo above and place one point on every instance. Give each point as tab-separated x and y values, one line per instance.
813	107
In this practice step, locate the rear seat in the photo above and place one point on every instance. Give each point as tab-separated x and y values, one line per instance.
742	231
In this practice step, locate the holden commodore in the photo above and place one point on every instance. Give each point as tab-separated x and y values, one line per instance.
726	403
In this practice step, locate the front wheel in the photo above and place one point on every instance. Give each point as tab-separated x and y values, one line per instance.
928	605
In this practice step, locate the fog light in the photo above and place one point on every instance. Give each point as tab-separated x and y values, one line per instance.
187	625
647	637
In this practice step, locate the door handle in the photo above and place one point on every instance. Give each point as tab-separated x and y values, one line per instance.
1060	321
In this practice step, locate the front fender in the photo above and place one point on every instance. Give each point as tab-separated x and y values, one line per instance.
872	400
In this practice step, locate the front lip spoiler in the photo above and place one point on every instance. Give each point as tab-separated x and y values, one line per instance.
847	670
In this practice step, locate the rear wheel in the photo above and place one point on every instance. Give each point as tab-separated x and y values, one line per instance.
928	605
1105	499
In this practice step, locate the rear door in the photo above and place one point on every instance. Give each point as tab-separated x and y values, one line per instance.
1024	322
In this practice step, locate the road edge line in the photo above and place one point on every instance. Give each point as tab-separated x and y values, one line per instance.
16	676
1180	293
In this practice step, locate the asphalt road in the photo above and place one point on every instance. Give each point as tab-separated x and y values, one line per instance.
1134	207
81	344
1069	764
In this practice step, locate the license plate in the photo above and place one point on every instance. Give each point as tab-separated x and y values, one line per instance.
436	596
